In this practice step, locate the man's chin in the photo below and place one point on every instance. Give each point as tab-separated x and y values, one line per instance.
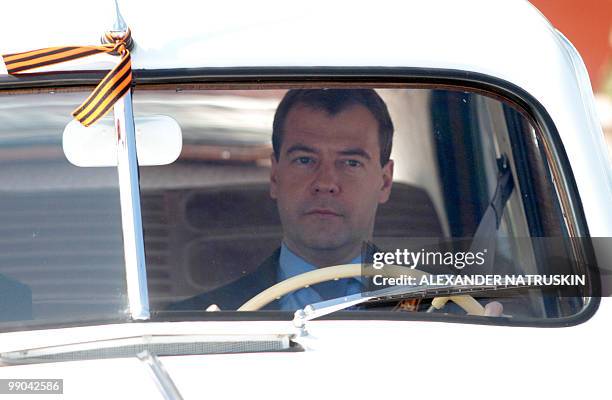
325	242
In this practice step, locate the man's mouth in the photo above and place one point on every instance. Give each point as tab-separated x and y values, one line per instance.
323	212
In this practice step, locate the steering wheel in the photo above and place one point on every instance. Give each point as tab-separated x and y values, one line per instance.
466	302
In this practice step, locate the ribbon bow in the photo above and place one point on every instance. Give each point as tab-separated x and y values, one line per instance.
114	85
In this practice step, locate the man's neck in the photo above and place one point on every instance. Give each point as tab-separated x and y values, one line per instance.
323	257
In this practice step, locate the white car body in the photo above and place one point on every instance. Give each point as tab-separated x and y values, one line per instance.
508	40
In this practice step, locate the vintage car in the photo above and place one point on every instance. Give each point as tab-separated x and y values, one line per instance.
132	249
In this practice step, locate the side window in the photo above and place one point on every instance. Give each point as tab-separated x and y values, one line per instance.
61	250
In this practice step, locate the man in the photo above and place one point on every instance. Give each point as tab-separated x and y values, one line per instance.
331	168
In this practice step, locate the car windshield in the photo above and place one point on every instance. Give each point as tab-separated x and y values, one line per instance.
274	182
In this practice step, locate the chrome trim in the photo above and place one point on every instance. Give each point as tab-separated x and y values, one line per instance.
56	352
119	25
322	308
131	220
325	307
165	384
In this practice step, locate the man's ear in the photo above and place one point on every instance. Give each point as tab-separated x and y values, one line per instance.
273	176
385	190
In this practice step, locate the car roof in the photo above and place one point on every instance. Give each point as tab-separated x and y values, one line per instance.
495	38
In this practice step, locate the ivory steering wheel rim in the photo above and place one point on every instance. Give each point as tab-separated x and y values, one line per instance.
466	302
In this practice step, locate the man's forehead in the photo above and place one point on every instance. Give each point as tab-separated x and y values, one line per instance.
350	128
351	150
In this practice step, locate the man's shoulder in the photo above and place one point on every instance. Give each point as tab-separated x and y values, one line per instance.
236	293
15	300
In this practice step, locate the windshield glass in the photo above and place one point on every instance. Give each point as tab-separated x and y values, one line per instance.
277	182
61	251
274	182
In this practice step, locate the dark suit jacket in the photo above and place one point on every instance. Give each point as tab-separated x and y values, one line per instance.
232	296
235	294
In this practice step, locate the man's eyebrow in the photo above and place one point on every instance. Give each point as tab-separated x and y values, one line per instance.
355	152
300	147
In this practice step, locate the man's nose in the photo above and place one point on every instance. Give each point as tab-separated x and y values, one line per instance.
326	180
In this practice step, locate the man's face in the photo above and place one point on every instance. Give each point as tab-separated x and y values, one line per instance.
328	180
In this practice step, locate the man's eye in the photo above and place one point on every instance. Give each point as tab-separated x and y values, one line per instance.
303	160
353	163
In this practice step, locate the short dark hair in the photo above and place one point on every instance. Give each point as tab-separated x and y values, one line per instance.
334	101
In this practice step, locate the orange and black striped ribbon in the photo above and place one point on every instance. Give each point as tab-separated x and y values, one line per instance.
114	85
